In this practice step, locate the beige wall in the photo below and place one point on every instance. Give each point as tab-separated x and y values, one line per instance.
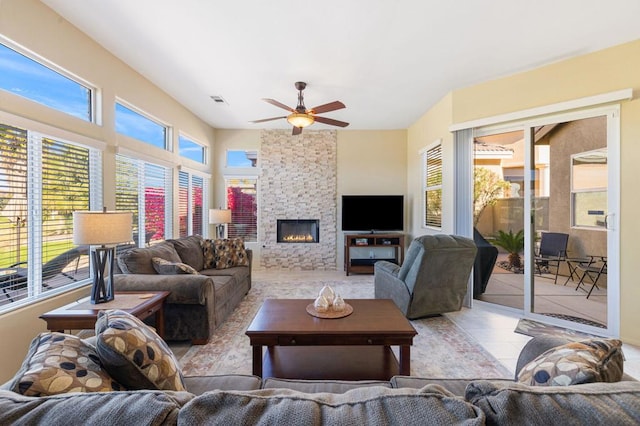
370	162
604	71
31	25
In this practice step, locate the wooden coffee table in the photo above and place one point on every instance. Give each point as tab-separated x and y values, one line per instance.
81	314
356	347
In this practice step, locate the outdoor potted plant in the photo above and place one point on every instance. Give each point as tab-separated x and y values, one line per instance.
513	244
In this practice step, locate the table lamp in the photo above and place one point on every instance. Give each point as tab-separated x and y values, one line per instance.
94	228
219	217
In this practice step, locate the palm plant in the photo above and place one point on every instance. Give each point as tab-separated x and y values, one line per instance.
513	244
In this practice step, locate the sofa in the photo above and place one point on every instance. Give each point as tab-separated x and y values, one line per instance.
245	399
205	286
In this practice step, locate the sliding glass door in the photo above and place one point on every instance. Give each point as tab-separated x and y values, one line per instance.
498	217
569	199
545	195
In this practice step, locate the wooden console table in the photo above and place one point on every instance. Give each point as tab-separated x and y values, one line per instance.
371	244
81	314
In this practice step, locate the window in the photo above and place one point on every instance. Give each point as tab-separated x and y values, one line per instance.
241	200
589	189
191	150
191	203
145	190
136	125
242	158
42	181
32	80
432	186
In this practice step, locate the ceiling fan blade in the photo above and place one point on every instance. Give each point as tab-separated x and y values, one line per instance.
278	104
296	130
330	121
268	119
331	106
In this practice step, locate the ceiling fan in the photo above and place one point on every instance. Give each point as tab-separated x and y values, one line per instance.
301	116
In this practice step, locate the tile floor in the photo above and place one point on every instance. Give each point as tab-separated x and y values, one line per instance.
493	328
490	325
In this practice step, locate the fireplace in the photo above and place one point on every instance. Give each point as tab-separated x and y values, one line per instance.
298	231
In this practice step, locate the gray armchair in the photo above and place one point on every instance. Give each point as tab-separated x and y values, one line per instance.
433	278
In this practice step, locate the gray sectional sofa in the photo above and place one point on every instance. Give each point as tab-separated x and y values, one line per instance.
240	399
198	303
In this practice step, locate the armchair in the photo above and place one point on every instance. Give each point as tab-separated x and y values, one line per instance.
433	278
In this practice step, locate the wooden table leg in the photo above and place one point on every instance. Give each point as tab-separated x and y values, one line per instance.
257	360
405	360
160	321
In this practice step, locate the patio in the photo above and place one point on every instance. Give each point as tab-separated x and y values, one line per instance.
20	292
507	289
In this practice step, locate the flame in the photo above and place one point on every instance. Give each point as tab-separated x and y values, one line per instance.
299	238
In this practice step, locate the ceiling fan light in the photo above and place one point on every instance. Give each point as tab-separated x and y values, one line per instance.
300	119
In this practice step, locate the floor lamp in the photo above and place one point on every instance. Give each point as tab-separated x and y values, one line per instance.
219	217
103	228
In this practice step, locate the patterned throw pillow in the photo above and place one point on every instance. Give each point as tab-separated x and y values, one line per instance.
134	354
208	253
230	253
587	361
60	363
224	253
164	267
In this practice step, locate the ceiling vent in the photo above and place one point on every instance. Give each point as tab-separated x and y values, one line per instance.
218	99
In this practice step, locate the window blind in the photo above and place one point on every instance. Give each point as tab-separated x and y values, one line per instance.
14	233
242	201
65	188
42	181
192	203
432	162
144	189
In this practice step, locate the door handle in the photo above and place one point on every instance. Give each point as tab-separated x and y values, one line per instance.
606	221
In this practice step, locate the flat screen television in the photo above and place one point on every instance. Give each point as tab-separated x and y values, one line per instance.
369	213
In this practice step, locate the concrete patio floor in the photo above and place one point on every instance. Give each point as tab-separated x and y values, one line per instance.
507	289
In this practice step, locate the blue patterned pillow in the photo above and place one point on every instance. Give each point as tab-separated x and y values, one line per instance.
586	361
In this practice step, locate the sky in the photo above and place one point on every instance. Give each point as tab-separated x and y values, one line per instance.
30	79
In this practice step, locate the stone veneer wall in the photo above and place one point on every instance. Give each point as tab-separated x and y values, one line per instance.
298	181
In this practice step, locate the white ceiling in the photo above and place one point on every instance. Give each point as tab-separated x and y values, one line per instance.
388	61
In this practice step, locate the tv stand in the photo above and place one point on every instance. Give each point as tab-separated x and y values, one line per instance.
362	251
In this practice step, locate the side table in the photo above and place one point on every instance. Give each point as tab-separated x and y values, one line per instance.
81	314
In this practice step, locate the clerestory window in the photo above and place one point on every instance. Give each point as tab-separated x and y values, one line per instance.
54	88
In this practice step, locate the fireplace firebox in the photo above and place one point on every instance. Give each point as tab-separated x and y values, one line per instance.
298	231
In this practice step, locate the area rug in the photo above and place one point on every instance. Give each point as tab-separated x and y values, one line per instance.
441	349
534	328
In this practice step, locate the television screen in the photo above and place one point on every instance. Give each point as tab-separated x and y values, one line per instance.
372	213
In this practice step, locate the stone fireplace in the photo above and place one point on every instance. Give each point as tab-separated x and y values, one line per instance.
298	231
298	180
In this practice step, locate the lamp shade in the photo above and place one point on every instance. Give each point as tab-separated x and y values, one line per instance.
101	228
300	119
217	216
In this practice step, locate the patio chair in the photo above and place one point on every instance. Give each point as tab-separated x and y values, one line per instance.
50	269
591	270
433	278
552	252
